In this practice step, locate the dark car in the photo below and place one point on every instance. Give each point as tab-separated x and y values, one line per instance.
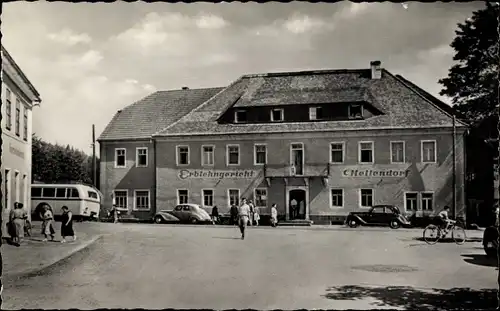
378	215
490	241
186	213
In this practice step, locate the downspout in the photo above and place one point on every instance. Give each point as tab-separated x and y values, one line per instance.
154	175
454	182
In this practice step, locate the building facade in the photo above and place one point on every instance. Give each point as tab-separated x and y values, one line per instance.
319	144
19	97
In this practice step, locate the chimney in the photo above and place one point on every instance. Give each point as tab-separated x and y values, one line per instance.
376	70
185	88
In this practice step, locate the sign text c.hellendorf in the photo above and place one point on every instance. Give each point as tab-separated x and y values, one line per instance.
375	173
217	174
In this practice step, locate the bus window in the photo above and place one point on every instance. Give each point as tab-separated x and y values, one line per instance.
36	192
92	195
74	193
49	192
61	193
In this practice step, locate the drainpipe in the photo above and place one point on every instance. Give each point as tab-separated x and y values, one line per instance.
454	170
154	175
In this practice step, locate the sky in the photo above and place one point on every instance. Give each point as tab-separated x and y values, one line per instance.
88	60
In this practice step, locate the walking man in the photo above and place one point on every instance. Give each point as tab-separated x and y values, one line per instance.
250	204
243	214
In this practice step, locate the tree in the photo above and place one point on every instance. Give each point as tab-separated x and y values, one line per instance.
472	83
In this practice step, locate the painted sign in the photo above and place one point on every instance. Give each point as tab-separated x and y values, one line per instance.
217	174
16	151
375	173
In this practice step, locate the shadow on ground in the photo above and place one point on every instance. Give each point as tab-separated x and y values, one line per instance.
415	299
481	260
450	240
226	238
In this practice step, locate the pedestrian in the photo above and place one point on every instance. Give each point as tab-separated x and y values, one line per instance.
17	218
215	214
497	214
251	219
47	226
256	215
67	224
243	214
274	215
234	215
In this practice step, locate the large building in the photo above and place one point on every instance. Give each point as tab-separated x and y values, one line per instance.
319	144
19	97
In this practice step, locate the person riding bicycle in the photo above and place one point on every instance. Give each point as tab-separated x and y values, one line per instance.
444	219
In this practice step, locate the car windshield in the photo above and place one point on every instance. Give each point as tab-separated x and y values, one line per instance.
178	208
186	208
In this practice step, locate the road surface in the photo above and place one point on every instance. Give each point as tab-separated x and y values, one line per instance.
159	266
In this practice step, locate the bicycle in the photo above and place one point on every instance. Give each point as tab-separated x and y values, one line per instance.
433	233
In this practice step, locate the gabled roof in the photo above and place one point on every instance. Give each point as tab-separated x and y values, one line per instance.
154	112
402	106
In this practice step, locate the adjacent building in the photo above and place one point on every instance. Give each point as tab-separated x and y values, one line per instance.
319	144
19	97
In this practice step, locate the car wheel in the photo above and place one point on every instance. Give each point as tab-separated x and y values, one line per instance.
352	223
394	224
193	221
158	219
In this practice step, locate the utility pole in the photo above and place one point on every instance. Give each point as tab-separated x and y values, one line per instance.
94	166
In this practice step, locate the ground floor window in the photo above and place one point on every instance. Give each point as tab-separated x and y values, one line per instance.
260	197
337	196
427	201
234	197
121	199
411	201
182	196
366	197
208	197
142	199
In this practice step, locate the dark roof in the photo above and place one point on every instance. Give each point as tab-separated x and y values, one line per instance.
402	106
18	76
154	112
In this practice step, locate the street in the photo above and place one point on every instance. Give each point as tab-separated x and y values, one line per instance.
161	266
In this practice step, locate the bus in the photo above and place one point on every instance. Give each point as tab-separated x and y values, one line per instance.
83	201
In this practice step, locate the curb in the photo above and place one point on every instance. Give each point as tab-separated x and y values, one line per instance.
32	272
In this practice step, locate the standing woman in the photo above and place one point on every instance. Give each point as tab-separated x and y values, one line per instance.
67	225
256	215
17	218
47	227
274	215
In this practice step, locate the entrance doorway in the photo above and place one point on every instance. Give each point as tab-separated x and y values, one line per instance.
297	204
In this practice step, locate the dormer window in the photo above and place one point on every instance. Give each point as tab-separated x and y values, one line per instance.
355	111
315	113
277	115
240	116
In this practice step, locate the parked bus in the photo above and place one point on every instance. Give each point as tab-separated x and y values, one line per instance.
83	201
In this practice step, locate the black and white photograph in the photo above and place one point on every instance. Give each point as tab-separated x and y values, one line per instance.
229	155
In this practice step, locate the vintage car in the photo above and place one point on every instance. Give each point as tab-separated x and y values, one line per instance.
183	213
378	215
490	241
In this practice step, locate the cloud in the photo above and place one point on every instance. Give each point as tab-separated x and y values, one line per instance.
210	22
299	24
68	37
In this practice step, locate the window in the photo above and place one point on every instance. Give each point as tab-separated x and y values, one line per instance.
120	156
92	194
207	155
61	193
141	157
260	156
182	196
240	116
366	152
6	193
337	198
427	201
428	151
277	115
366	197
18	117
141	199
121	199
260	197
25	124
182	155
74	193
315	113
233	155
411	201
397	152
355	111
36	192
378	210
233	196
208	197
337	152
49	192
8	109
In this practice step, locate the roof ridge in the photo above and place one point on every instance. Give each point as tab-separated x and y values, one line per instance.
304	72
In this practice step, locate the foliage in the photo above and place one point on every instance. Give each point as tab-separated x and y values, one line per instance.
472	83
54	163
